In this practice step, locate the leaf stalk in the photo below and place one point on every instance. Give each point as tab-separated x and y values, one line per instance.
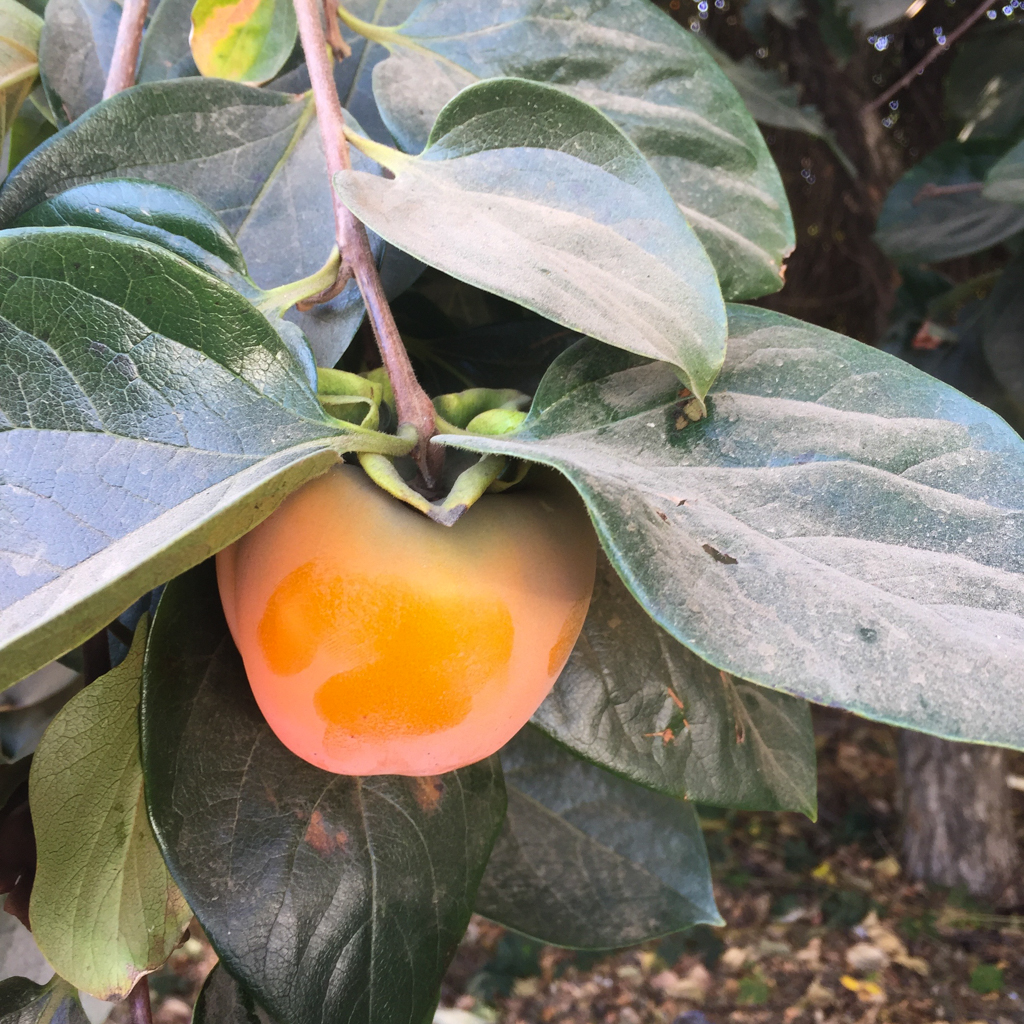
413	405
139	1007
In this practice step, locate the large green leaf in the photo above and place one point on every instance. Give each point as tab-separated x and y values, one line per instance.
149	415
257	163
1004	182
174	220
104	909
916	226
75	50
24	1002
841	526
530	193
331	897
635	701
647	73
588	860
19	65
161	214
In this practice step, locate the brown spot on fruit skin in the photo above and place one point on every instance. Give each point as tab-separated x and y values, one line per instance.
428	790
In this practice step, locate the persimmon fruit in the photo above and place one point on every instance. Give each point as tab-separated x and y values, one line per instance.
379	642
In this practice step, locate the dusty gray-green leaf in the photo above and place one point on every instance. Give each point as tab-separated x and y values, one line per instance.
921	225
643	70
331	897
588	860
279	210
533	194
149	416
633	700
24	1002
1004	182
104	908
75	50
773	102
841	527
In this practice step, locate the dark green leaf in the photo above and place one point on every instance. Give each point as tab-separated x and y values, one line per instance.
158	213
75	51
174	220
279	209
588	860
24	1002
1004	183
331	897
985	83
840	527
918	226
532	194
223	1001
643	70
149	415
635	701
104	910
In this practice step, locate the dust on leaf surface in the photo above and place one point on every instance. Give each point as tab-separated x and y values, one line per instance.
874	514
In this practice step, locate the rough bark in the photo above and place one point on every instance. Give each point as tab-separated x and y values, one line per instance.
958	827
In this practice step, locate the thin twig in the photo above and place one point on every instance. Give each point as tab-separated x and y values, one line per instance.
414	407
126	47
933	54
139	1007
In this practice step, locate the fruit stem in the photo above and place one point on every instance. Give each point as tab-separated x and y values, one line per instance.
139	1008
413	405
126	47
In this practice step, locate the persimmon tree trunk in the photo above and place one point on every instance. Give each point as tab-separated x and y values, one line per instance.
958	827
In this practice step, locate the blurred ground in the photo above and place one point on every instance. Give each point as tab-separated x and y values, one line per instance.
821	928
